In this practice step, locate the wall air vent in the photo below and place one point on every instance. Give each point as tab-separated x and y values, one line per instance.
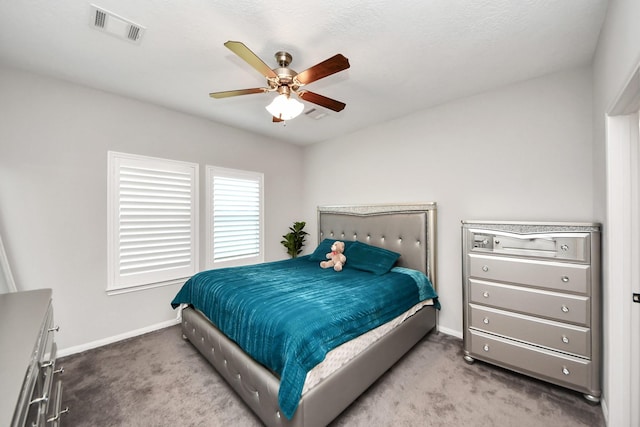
115	25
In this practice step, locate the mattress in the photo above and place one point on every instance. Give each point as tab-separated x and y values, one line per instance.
346	352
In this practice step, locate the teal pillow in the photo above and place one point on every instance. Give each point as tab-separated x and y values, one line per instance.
370	258
320	254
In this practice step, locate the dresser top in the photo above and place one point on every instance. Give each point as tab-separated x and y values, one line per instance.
21	319
533	226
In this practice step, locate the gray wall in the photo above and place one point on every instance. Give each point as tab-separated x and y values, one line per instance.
523	152
54	138
616	58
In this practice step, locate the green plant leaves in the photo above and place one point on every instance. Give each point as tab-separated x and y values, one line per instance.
294	239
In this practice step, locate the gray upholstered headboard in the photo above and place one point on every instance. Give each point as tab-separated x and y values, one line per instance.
409	229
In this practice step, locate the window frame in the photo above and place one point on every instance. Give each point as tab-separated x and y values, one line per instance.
118	283
211	172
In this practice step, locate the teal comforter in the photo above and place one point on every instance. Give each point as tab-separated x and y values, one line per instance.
288	314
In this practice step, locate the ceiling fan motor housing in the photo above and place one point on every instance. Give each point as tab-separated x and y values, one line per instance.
283	58
285	82
285	75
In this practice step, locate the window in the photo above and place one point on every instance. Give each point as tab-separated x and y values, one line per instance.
152	222
234	217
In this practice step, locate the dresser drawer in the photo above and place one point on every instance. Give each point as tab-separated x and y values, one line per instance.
45	395
559	336
564	277
43	391
544	364
46	339
569	246
536	302
55	409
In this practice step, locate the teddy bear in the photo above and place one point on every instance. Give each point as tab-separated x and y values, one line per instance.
336	257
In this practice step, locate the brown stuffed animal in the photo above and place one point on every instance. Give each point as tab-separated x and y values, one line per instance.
336	257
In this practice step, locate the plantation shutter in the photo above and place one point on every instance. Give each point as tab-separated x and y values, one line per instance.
236	206
155	221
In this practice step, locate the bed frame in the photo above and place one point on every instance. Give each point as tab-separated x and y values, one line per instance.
409	229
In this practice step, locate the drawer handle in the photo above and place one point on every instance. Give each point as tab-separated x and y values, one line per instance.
565	339
54	329
486	347
565	309
564	247
485	294
485	268
56	417
486	320
565	370
44	398
565	279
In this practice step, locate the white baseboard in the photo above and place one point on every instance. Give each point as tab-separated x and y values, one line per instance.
448	331
109	340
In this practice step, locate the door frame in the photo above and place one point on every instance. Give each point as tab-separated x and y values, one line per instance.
621	256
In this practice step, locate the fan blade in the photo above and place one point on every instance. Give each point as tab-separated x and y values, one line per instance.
323	101
228	93
250	58
325	68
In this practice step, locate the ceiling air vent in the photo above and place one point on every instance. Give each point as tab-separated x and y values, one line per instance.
315	114
115	25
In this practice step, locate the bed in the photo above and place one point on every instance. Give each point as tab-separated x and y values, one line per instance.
330	387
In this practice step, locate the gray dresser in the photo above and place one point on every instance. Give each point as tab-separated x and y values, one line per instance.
30	391
532	300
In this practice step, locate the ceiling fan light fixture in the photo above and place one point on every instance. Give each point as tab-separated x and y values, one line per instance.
284	107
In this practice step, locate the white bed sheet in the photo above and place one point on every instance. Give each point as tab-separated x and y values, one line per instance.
342	354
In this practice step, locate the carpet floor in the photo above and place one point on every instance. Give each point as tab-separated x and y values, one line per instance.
158	379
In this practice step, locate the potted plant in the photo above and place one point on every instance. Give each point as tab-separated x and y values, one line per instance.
294	239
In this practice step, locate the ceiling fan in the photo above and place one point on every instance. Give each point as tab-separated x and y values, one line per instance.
284	80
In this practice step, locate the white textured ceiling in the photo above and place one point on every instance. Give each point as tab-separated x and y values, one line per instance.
405	55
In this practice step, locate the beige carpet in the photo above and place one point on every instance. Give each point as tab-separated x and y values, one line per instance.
160	380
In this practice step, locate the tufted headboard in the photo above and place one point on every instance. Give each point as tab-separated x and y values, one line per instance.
409	229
